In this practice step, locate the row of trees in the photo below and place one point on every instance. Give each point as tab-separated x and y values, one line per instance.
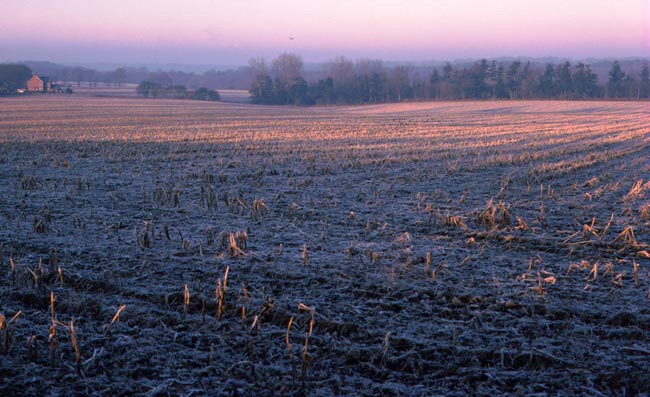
368	81
13	77
156	90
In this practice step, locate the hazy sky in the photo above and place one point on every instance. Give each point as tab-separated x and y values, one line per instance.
232	31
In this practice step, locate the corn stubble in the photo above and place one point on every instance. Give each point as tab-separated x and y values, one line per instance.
450	248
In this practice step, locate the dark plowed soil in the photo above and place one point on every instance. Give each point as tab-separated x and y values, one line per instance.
417	249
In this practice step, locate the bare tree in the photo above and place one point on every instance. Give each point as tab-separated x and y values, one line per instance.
258	66
78	75
120	76
287	67
368	67
340	69
399	81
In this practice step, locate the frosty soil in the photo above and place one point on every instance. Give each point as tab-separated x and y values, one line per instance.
478	247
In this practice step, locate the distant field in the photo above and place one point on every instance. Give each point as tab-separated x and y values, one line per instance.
101	89
129	91
407	249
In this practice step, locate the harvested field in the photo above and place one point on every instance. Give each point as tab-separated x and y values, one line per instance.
479	248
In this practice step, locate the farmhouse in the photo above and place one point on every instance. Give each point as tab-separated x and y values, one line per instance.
39	84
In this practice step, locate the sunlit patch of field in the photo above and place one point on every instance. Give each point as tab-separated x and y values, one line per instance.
415	248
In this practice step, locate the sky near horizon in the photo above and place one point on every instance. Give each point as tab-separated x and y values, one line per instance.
231	32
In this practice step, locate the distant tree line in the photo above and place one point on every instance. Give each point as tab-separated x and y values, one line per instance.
239	78
371	81
156	90
367	81
13	77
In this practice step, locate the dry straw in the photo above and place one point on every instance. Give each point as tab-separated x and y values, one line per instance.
75	346
186	299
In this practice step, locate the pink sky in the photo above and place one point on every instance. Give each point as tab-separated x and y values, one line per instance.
230	32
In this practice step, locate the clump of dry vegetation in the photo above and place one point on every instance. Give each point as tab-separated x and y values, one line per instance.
467	248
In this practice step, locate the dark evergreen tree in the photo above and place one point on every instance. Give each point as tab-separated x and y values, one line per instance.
564	81
529	79
477	87
591	83
584	82
500	89
616	83
546	87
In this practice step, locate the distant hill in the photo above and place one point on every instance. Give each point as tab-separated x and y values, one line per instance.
107	67
44	67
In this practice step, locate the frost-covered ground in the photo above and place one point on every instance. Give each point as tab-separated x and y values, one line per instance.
410	249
